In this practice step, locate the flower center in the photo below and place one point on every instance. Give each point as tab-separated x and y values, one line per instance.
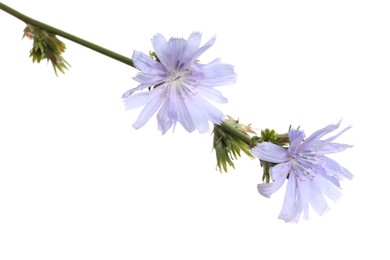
307	164
177	76
179	82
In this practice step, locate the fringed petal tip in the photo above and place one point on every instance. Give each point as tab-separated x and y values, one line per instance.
127	94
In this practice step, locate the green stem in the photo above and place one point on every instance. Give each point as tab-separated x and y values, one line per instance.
66	35
237	133
282	138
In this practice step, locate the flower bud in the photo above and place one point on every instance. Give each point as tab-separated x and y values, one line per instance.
228	145
46	46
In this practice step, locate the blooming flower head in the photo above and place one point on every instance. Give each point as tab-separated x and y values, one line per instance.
311	175
179	87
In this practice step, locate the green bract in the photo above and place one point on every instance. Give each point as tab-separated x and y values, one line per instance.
46	46
228	146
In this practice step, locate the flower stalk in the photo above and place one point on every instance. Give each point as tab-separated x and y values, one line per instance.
179	87
55	31
228	127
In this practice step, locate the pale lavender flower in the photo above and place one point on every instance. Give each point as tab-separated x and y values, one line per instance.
179	87
311	175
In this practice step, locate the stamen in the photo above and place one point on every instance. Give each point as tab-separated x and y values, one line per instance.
306	164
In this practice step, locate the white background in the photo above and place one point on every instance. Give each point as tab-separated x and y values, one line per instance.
78	182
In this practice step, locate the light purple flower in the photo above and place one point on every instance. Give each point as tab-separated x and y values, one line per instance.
311	175
180	87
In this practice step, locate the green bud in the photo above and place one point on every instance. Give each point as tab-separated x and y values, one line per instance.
46	46
271	136
154	56
230	139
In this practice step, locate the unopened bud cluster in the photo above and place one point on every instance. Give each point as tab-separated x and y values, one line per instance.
46	46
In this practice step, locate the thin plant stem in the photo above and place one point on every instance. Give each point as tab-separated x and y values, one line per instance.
237	133
66	35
